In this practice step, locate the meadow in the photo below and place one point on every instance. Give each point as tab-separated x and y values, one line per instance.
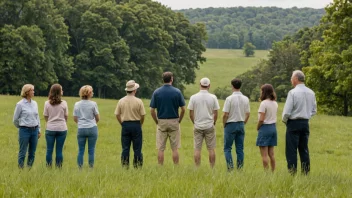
330	151
222	66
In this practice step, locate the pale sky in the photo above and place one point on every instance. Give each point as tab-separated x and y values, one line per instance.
184	4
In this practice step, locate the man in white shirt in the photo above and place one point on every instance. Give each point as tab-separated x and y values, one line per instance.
300	106
203	111
236	113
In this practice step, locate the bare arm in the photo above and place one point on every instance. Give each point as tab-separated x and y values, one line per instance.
247	117
261	120
215	112
142	119
153	113
224	118
183	109
191	115
118	117
97	118
75	118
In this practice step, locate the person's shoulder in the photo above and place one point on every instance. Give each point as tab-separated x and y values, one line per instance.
64	102
213	96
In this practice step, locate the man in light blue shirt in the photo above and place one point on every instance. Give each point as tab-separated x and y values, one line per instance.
300	106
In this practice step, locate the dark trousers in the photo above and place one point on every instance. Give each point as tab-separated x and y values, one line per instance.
297	135
131	133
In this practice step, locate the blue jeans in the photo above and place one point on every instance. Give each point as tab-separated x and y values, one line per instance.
131	133
84	134
27	139
51	137
234	133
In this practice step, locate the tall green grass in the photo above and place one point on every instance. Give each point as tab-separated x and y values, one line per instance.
222	66
330	149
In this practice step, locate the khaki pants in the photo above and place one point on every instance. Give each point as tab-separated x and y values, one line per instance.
207	134
168	128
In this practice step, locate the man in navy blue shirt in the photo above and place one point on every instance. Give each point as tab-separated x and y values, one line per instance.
167	100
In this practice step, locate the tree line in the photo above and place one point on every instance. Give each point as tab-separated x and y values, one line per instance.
231	28
323	52
104	43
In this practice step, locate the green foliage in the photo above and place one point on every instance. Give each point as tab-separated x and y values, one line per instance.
99	42
231	28
277	70
248	49
34	45
222	66
223	92
330	70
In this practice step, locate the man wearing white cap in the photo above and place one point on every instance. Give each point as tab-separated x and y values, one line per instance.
203	111
130	114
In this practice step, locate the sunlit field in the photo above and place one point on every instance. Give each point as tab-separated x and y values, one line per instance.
330	149
222	66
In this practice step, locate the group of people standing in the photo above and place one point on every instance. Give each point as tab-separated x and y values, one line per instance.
167	108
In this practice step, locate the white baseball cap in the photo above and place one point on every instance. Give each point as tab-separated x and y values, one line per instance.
205	82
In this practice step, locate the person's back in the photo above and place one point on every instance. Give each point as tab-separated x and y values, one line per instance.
203	103
237	105
85	111
236	114
56	115
167	99
303	102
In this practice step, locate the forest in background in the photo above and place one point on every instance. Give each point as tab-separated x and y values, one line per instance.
103	43
231	28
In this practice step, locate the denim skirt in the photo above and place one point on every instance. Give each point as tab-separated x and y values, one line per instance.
267	135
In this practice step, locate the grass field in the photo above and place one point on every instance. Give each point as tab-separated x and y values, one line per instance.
222	66
330	149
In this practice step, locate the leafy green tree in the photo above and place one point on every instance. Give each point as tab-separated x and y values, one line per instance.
248	49
330	70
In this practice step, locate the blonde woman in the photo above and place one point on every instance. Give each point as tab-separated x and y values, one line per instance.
86	115
26	119
55	114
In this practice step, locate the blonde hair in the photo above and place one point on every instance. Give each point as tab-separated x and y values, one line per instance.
86	91
26	89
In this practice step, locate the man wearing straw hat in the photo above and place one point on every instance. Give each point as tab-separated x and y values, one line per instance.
130	114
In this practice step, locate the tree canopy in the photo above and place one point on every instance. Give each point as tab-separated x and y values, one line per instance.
231	28
104	43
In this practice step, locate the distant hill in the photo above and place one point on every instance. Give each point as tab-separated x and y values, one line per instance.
230	28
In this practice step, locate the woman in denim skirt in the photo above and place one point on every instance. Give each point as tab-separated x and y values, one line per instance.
55	115
267	134
26	119
86	115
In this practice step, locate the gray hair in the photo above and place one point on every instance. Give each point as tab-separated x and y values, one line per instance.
299	74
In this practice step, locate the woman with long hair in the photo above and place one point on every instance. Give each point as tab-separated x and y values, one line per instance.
55	115
86	115
267	134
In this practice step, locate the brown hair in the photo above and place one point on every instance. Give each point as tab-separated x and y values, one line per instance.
167	77
55	94
267	92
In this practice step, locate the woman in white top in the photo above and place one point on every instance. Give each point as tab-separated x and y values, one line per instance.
55	115
267	134
86	115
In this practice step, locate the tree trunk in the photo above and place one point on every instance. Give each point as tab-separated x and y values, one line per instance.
345	105
99	92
